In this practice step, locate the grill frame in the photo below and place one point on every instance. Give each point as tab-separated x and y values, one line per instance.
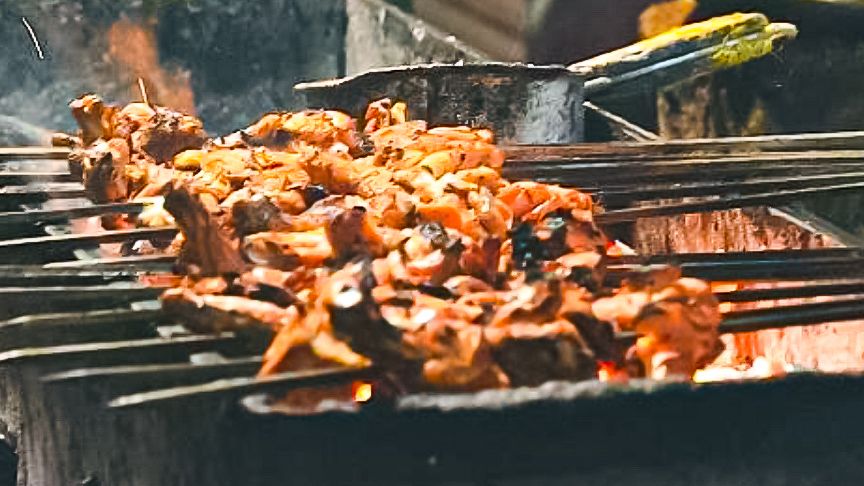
92	442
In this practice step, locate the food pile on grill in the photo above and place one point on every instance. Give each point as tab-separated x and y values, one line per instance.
399	245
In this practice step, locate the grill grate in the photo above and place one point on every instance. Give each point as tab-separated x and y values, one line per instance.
104	346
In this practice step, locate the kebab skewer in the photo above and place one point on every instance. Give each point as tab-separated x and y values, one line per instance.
419	256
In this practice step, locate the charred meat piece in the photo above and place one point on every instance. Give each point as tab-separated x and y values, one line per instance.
533	201
208	248
622	308
331	130
299	347
104	171
457	356
531	354
419	258
254	216
356	318
167	134
384	113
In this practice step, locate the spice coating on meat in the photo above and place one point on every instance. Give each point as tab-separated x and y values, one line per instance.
418	257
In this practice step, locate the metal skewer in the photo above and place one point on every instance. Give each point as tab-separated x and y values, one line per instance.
796	292
10	178
49	153
41	216
722	203
781	317
51	245
237	387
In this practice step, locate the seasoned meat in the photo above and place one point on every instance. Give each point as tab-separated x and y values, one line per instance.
418	257
678	330
531	354
104	171
209	249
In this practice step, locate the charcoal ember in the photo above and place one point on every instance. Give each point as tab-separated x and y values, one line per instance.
532	354
207	246
254	216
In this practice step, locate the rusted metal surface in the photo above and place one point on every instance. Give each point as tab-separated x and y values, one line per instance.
380	35
520	103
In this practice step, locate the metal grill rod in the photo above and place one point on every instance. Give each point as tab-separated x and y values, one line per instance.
815	270
781	317
721	203
42	153
52	244
10	178
855	287
238	387
622	197
42	216
12	197
39	330
133	263
790	255
761	143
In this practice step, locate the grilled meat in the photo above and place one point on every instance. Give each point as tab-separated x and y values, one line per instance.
675	318
678	330
418	257
207	249
142	141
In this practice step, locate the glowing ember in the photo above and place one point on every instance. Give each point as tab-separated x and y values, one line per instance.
361	392
725	287
762	368
617	248
609	372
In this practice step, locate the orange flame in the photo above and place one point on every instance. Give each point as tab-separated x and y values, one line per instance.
133	47
361	391
608	371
